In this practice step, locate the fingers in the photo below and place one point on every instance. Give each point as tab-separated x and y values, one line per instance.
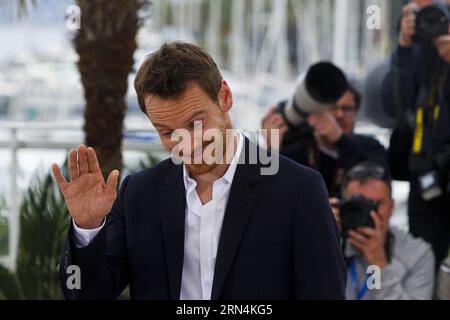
278	121
358	237
111	183
376	220
357	245
368	232
82	159
62	182
319	118
94	167
268	116
274	121
333	201
73	166
411	7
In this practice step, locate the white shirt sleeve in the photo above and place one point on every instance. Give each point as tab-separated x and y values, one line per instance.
83	237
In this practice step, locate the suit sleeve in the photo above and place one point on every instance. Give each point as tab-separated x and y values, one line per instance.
319	266
103	263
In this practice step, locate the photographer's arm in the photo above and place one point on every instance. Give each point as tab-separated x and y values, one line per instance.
400	84
417	286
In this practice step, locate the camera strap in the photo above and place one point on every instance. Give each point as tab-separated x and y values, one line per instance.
427	117
359	292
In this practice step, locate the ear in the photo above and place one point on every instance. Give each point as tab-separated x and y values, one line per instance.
225	97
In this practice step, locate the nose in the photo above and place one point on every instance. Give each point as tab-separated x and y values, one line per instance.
197	144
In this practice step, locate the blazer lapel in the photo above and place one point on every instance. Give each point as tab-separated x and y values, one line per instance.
241	202
173	220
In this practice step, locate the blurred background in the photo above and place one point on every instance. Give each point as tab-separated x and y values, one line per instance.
61	86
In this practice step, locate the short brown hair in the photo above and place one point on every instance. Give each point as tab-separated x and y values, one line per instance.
166	72
356	95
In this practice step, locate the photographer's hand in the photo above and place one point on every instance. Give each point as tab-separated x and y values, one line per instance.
335	209
325	126
88	198
370	242
442	44
408	25
274	121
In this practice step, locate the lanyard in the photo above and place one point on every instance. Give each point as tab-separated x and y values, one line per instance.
418	133
361	292
432	102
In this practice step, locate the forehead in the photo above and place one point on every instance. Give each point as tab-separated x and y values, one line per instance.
193	99
372	188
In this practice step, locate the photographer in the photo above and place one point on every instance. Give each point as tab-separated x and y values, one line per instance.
416	91
327	142
406	263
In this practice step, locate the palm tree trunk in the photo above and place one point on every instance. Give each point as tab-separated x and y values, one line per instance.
105	44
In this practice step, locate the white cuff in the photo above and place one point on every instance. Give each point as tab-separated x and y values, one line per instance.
84	236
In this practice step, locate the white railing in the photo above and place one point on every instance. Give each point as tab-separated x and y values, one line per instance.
15	140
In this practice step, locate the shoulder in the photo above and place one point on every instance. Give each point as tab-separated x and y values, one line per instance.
366	138
149	177
292	177
291	168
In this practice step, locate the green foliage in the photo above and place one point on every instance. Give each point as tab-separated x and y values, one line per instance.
147	162
43	228
3	228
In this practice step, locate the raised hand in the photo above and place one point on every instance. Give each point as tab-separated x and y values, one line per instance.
274	121
88	198
408	24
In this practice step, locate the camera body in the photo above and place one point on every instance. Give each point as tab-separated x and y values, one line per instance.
431	22
436	182
355	213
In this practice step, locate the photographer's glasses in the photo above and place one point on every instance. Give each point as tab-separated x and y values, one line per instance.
348	109
366	171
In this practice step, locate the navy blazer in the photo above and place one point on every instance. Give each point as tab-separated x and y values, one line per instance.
279	239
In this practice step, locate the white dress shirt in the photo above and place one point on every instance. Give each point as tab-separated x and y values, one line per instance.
203	224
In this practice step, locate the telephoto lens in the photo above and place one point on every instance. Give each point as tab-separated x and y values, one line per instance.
317	89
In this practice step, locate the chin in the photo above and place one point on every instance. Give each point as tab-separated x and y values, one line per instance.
200	168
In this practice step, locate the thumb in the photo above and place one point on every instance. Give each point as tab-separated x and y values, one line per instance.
111	182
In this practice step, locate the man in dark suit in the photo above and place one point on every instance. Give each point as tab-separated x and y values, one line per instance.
198	229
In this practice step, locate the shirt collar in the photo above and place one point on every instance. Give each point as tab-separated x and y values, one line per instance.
190	183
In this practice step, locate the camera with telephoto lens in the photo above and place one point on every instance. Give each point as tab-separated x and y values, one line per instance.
317	89
355	213
431	22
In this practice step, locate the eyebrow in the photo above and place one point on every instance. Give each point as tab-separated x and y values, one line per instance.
195	115
156	124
